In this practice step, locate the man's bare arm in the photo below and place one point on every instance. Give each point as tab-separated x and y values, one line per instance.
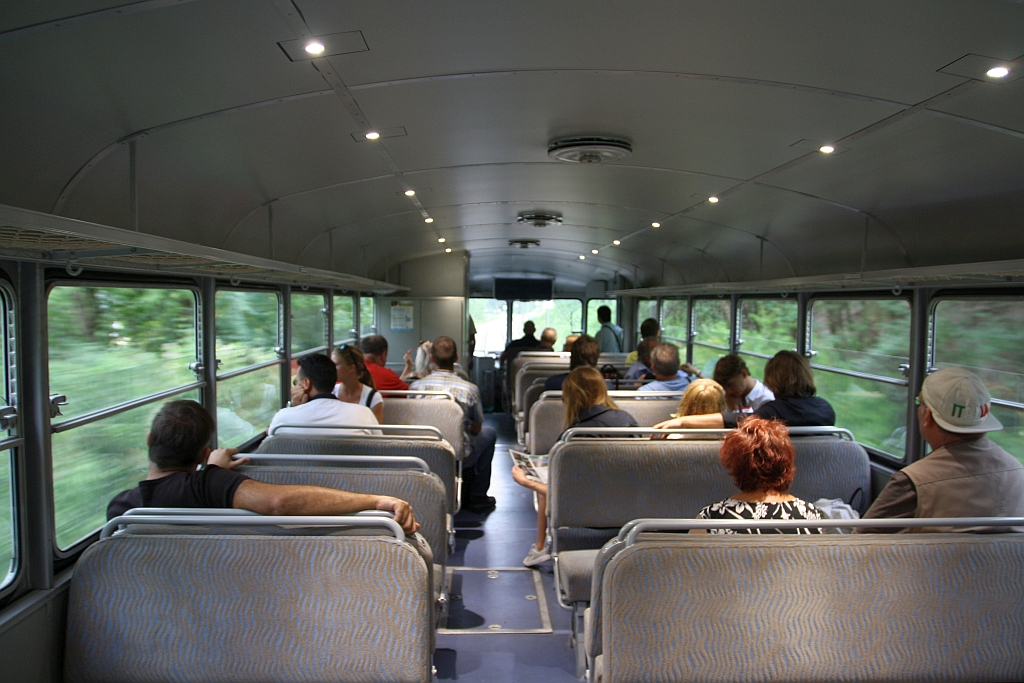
274	499
711	421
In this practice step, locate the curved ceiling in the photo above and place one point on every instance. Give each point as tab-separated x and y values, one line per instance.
238	147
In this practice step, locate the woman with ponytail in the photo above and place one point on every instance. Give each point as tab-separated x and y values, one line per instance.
759	457
355	383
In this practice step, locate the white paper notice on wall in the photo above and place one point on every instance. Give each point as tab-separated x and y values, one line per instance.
401	316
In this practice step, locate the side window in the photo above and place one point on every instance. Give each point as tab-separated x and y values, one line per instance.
859	347
489	316
249	377
592	324
8	500
985	338
673	322
344	320
367	321
117	354
309	322
711	320
564	315
767	326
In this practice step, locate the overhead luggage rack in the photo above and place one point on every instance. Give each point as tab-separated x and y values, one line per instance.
76	245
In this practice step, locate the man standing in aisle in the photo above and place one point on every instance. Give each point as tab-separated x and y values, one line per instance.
479	441
609	337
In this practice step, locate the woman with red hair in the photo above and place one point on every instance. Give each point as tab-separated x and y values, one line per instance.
759	457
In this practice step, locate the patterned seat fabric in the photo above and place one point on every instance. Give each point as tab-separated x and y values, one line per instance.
437	454
226	609
424	492
444	414
864	608
547	419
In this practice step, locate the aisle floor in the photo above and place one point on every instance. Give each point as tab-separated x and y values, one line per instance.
498	540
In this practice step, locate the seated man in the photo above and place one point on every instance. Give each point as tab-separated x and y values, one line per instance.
584	351
375	352
547	339
966	474
527	341
314	403
479	441
788	375
179	443
649	329
609	337
742	392
668	375
641	369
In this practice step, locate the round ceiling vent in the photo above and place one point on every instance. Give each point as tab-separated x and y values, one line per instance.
589	149
539	220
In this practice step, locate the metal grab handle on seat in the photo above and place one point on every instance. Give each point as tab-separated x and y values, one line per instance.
410	461
417	431
639	526
218	512
694	434
412	392
260	520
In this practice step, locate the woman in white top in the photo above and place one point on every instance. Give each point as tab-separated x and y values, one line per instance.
355	383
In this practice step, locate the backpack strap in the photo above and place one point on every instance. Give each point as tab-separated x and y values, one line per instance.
369	397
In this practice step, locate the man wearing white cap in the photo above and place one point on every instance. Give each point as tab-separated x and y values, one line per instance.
966	474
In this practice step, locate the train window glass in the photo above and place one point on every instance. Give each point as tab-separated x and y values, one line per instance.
344	319
247	328
711	321
309	326
8	558
592	325
109	345
246	403
94	462
767	327
490	316
859	346
984	337
367	321
673	321
564	315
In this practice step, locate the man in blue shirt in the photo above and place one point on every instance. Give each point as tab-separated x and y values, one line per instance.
667	373
609	337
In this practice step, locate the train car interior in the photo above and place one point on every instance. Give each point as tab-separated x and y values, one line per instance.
198	197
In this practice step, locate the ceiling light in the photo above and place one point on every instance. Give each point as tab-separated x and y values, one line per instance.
582	257
372	135
428	220
826	149
448	250
713	200
655	225
593	251
616	242
998	72
441	240
410	193
314	48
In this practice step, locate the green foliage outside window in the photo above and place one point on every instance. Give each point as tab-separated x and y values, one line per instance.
985	337
712	318
490	318
673	321
247	328
367	321
870	336
246	404
564	315
109	345
7	556
309	324
344	322
768	326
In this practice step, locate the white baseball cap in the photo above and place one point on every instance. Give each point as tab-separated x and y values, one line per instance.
959	401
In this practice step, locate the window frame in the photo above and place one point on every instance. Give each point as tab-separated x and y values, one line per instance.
692	333
13	445
897	294
738	315
97	415
324	311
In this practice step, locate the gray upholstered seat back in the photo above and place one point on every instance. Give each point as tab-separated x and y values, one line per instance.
606	482
530	397
532	371
226	609
547	418
437	454
442	413
866	608
424	492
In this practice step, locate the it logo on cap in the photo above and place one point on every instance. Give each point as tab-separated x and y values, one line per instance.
958	410
983	410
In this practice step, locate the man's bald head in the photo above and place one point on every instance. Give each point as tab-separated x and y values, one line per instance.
548	337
